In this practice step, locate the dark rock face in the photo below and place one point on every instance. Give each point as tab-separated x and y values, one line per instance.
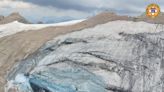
1	18
100	59
13	17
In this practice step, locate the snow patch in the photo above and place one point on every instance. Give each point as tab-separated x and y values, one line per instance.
21	78
15	27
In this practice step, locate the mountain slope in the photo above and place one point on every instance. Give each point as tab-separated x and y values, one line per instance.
122	56
157	20
17	47
1	18
13	17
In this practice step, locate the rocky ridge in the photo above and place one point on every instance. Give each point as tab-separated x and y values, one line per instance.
13	17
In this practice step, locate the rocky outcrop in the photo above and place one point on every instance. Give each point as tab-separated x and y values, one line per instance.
118	56
13	17
157	20
1	18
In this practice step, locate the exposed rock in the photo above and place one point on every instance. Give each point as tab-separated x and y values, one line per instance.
13	17
40	22
156	20
1	18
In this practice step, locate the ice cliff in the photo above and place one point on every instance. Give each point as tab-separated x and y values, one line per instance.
119	56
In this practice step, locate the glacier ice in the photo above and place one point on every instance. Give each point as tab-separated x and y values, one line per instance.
119	56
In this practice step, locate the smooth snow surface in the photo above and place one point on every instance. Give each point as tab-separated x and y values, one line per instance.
115	27
15	27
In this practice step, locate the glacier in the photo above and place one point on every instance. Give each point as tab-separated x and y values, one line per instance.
118	56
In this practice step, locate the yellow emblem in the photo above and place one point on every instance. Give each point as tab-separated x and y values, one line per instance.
152	10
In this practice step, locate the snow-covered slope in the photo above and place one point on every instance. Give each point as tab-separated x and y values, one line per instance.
115	27
15	27
119	56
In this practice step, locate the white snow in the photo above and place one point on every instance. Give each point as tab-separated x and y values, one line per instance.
113	28
15	27
110	78
20	78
